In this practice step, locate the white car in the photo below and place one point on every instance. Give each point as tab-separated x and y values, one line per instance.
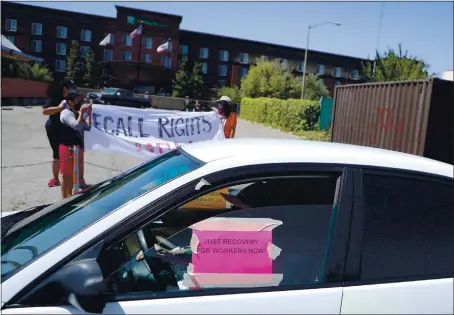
250	226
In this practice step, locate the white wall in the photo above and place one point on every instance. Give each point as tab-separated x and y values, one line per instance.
448	75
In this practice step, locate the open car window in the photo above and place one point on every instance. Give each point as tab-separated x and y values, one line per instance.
262	233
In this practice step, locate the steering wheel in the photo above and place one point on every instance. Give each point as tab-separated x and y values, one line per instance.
144	246
162	272
166	242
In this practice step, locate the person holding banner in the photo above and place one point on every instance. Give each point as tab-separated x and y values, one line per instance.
228	116
74	125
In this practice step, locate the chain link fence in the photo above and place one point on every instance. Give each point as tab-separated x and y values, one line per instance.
48	162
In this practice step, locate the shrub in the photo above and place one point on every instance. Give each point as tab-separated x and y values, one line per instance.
291	115
233	92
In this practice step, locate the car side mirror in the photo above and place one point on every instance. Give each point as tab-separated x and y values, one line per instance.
81	283
84	284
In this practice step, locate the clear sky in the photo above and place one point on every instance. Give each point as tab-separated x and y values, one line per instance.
425	29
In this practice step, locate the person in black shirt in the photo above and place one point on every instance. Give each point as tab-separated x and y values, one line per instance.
55	103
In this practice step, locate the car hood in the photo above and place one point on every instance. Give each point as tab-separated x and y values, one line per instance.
11	218
4	214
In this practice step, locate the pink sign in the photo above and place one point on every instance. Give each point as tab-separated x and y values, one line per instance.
234	252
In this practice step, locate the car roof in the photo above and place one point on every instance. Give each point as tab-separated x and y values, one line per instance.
262	151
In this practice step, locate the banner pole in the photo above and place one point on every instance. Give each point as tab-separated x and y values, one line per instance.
76	183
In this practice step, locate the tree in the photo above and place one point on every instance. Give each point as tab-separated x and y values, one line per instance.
23	70
233	92
198	88
274	80
270	79
314	88
73	69
36	72
395	66
12	68
189	80
181	85
89	68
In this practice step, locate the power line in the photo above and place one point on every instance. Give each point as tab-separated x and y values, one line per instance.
380	25
380	21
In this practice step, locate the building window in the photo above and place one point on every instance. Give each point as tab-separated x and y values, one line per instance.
146	58
126	55
355	74
204	67
85	35
337	72
11	25
61	49
10	38
84	50
166	61
147	42
126	40
108	54
183	50
244	58
112	38
224	55
320	69
60	65
222	83
37	29
203	53
37	45
407	230
243	72
222	71
300	67
62	32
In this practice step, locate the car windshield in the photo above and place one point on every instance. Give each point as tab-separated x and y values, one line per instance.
27	241
109	91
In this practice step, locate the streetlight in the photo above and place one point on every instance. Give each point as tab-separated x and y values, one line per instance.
307	46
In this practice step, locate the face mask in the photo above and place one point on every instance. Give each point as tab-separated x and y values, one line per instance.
77	105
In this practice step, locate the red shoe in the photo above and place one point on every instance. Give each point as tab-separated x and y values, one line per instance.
53	182
83	184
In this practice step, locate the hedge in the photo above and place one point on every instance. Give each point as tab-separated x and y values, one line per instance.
290	115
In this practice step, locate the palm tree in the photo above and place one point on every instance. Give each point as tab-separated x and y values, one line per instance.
12	68
23	70
39	73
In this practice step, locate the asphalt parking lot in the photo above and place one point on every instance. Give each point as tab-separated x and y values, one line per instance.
26	158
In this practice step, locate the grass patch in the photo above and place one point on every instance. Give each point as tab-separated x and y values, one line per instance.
317	135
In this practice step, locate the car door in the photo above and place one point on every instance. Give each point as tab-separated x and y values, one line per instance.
300	262
313	208
401	257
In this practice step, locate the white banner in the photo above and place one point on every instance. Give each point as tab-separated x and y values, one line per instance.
149	132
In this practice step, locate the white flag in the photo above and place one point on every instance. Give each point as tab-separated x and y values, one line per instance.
106	40
164	47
